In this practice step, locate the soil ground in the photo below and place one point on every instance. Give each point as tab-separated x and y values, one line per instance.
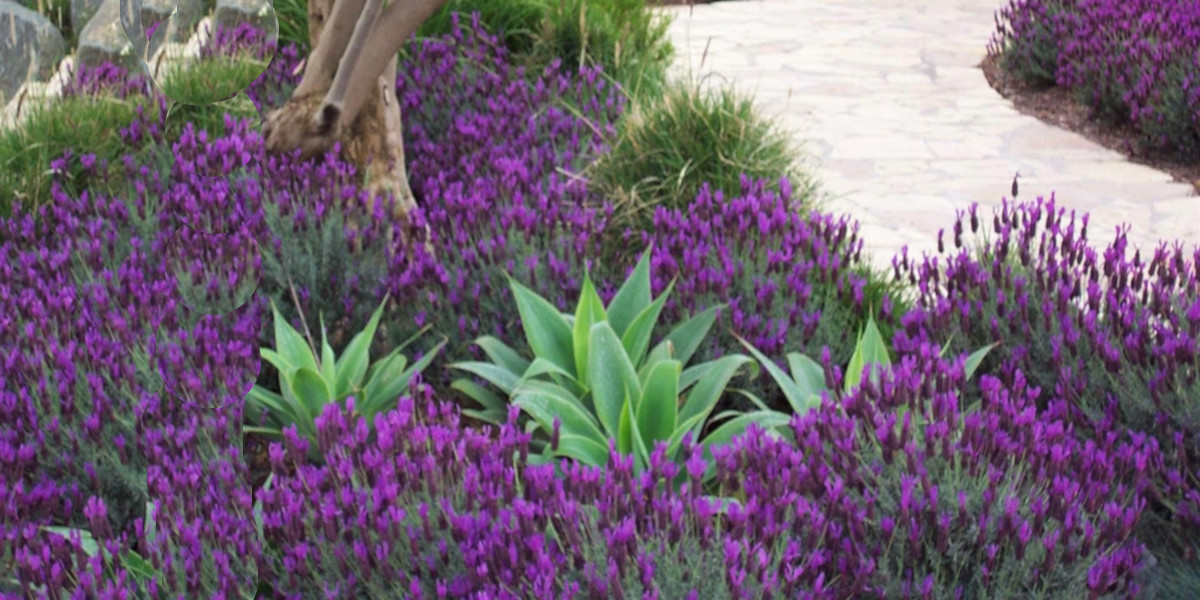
1055	106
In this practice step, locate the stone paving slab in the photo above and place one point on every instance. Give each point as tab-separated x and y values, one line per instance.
903	129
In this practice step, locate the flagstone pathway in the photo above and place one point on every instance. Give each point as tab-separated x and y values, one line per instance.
902	126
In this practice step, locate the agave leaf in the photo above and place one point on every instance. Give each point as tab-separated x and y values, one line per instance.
632	298
871	354
290	344
589	312
385	387
583	449
797	398
496	375
715	377
612	376
808	374
541	366
690	426
261	399
630	440
636	338
328	361
683	341
548	333
280	363
483	396
502	354
976	359
352	364
573	419
312	392
658	407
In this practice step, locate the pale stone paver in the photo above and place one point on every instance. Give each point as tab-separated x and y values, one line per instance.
888	99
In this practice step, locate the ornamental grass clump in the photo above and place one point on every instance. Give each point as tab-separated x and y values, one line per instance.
688	135
1110	337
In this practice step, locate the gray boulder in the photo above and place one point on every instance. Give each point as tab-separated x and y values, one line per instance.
103	39
116	32
82	11
259	13
30	48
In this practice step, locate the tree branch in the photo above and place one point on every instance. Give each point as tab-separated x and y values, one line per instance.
324	59
331	107
399	21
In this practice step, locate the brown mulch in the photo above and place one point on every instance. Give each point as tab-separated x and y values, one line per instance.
1055	106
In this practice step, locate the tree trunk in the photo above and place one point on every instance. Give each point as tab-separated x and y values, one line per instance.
373	142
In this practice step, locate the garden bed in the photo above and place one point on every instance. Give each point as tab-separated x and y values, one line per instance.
519	392
1056	106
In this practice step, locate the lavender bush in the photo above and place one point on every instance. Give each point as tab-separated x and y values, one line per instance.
1109	337
967	504
1133	60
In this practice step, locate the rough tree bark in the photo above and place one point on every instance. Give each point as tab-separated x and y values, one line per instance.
348	91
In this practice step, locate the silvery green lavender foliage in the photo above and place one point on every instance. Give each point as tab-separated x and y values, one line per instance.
85	422
992	503
1131	59
1109	336
789	279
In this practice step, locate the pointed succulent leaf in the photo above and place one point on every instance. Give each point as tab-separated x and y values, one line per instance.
636	338
489	400
683	341
808	374
612	376
548	333
976	359
871	354
327	358
583	449
658	408
711	386
541	366
573	419
632	298
496	375
589	312
290	344
502	354
312	391
796	398
352	364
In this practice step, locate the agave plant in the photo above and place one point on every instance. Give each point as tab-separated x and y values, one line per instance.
309	382
594	380
805	386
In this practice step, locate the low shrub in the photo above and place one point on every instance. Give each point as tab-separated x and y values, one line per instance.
987	503
791	281
1108	336
1131	61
